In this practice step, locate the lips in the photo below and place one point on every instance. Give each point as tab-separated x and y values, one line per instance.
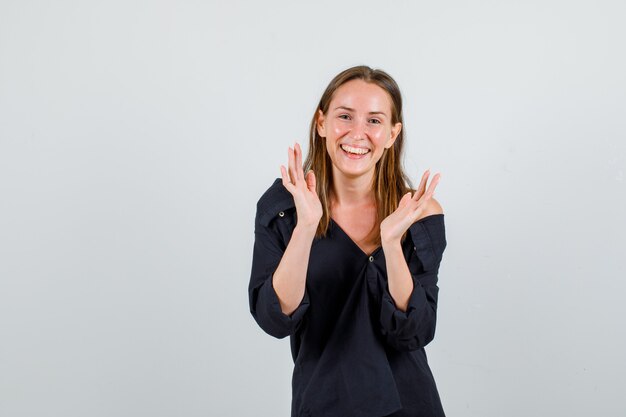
355	150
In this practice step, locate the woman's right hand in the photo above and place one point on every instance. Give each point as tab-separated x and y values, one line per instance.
302	188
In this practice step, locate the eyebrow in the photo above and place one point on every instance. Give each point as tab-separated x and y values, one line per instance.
349	109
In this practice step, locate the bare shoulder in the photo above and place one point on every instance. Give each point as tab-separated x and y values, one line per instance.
432	207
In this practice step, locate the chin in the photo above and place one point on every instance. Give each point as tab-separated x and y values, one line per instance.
354	173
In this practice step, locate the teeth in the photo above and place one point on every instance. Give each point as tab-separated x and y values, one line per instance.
358	151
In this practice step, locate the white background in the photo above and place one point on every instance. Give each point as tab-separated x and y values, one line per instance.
137	136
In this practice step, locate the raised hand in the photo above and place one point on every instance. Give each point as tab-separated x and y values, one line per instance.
302	188
410	209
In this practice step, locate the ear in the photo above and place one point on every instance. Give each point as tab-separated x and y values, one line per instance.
395	131
321	125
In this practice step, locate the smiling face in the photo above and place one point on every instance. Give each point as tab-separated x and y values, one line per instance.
357	128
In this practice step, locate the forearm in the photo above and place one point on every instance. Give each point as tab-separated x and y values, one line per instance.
399	277
289	279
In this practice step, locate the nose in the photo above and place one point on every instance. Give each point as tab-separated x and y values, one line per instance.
359	130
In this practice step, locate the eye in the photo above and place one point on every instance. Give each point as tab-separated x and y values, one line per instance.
375	121
344	116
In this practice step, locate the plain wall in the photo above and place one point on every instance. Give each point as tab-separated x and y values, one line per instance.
137	136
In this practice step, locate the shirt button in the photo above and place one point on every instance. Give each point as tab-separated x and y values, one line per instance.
281	214
371	259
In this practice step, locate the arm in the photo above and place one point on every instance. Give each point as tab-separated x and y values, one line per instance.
399	277
278	312
414	327
277	291
290	276
409	295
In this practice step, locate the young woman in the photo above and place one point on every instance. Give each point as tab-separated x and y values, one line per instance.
346	259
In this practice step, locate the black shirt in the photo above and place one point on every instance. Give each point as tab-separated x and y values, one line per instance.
354	352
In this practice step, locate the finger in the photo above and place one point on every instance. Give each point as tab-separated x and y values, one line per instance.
311	182
433	184
292	166
299	169
431	190
286	181
404	200
422	186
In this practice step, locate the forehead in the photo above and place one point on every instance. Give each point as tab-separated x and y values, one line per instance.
361	95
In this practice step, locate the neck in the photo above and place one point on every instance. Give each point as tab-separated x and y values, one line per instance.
352	191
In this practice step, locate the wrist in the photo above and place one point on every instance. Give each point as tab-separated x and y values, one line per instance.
306	229
391	244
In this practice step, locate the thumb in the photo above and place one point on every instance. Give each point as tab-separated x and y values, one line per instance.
310	181
404	200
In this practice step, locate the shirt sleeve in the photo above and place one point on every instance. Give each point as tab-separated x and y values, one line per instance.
415	328
269	247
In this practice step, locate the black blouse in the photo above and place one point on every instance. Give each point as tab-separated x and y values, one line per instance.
354	352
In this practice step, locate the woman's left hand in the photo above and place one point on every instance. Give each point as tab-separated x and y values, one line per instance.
410	209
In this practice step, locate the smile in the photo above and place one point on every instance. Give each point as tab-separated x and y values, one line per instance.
355	151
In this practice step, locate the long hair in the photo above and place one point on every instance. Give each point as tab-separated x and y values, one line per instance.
390	182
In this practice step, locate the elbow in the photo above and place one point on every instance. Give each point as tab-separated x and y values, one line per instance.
412	331
273	323
279	332
267	312
408	343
